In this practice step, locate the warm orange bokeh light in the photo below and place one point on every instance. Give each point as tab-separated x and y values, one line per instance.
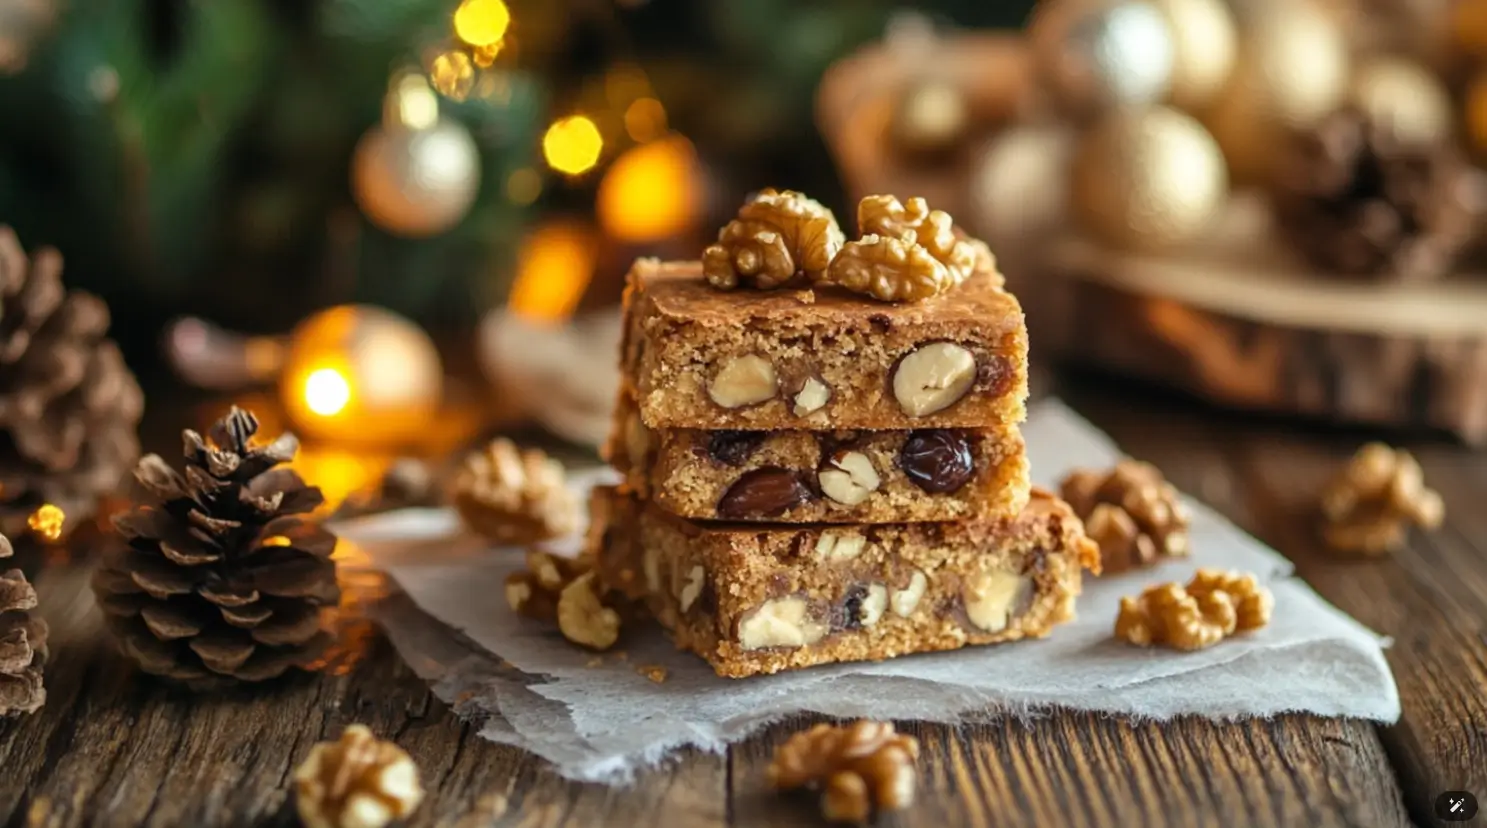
327	392
481	22
572	145
645	119
553	269
652	192
47	522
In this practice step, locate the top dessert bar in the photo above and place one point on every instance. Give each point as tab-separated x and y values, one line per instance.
699	357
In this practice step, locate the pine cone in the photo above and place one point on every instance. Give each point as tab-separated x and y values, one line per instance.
69	406
1359	201
22	643
221	577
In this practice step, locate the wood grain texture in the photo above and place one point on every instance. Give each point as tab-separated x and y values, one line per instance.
1431	597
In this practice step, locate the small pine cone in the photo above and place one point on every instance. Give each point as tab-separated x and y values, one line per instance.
22	643
1357	200
222	575
514	497
69	405
1131	511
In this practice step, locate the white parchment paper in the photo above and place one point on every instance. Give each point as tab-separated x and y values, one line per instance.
598	718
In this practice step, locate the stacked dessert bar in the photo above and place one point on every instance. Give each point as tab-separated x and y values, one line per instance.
811	475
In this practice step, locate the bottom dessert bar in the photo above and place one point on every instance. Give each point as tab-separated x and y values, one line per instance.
761	599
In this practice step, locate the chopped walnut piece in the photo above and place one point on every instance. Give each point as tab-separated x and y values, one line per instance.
1369	506
778	239
582	616
356	782
933	230
513	496
1131	511
860	768
1214	605
534	592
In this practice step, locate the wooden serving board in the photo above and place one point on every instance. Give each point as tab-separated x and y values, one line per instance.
1236	319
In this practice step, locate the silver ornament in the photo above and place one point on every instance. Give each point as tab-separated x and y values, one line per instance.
416	182
1093	55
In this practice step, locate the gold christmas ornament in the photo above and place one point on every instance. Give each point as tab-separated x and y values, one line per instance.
1203	48
1019	186
1405	96
416	174
1292	69
1147	179
361	374
1092	55
930	118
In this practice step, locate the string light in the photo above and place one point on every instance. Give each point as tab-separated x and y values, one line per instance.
645	119
572	145
412	104
651	192
553	269
276	540
327	392
47	522
481	23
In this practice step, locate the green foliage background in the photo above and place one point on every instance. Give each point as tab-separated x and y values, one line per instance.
214	179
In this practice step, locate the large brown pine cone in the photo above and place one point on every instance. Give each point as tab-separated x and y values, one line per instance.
1356	200
22	643
222	577
69	406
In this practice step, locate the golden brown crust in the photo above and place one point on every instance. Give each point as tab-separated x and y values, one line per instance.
681	334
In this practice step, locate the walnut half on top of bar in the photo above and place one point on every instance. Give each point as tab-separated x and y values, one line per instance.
821	358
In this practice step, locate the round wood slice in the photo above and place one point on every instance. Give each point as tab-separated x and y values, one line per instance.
1235	318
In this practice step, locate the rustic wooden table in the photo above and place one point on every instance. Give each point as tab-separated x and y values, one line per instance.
113	747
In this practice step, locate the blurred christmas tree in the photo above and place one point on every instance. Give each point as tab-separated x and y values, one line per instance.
195	155
252	160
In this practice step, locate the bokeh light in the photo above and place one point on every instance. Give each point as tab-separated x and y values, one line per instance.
554	267
645	119
453	74
327	392
652	192
572	145
47	522
481	22
523	186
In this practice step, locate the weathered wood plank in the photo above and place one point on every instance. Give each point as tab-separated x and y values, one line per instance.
114	747
1089	771
1431	598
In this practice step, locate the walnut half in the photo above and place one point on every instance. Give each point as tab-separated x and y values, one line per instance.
514	496
1214	605
1371	504
356	782
860	768
778	239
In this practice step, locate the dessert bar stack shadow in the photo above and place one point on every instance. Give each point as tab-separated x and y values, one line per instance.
813	475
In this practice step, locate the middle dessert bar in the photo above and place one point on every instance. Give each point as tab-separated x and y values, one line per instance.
823	477
761	599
